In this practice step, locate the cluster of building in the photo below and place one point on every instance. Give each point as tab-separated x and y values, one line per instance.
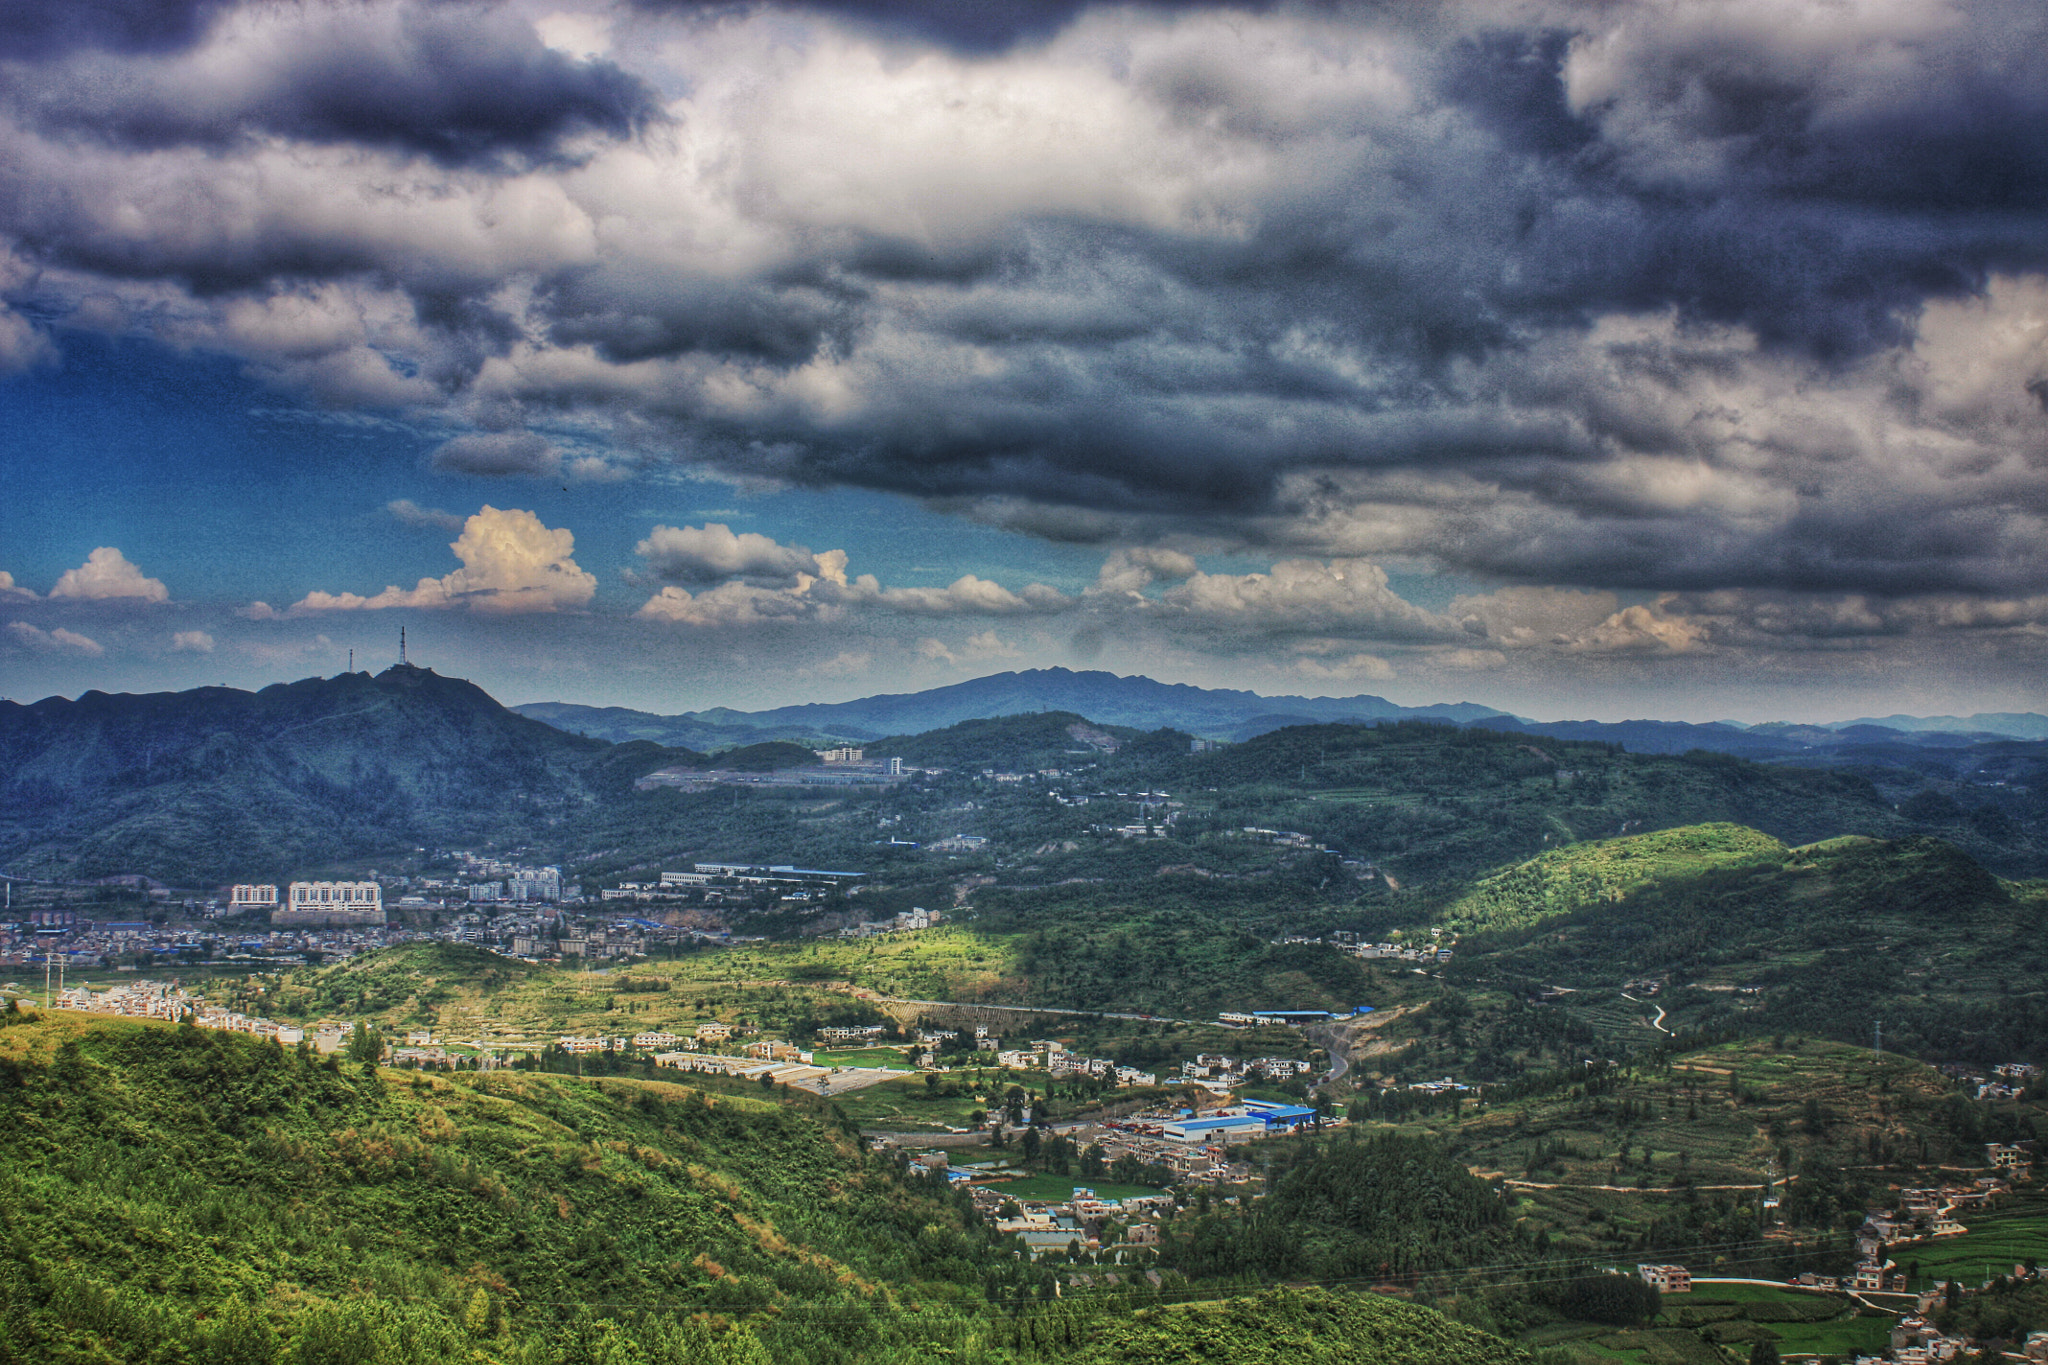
1081	1223
69	940
1915	1340
713	883
312	904
1053	1057
1245	1121
142	999
917	917
2007	1081
1217	1072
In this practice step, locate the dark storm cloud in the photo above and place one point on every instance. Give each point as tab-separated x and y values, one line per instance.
1650	295
628	318
463	85
44	28
972	27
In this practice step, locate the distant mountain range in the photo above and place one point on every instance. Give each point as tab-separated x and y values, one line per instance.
1105	698
1227	714
217	785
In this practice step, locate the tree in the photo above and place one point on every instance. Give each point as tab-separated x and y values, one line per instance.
1764	1353
1029	1143
365	1044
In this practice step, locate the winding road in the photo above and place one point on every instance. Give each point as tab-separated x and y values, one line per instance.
1658	1022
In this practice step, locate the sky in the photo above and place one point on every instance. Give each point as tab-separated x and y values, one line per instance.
1665	358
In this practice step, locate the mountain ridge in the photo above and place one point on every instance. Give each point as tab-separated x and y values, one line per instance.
1235	714
1106	698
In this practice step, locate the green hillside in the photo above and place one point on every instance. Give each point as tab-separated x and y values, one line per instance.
163	1182
1572	878
171	1194
1823	938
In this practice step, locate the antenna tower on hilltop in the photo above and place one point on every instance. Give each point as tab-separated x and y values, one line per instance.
401	644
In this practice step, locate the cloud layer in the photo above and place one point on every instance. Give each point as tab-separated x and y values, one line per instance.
1698	326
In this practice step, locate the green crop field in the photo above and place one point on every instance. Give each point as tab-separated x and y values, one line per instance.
890	1058
1997	1241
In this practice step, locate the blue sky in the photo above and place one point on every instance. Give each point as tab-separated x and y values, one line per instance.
1654	358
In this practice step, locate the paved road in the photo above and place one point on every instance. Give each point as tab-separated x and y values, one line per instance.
1658	1022
1333	1042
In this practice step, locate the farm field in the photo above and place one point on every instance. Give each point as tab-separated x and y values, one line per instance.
1998	1240
911	1106
894	1058
1732	1316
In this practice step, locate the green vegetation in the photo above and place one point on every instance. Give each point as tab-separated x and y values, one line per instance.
1382	1208
174	1194
1570	879
1297	1327
766	757
1997	1241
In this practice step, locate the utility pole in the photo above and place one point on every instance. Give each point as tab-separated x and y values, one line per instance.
1876	1040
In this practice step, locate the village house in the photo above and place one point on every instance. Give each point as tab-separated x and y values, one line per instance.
1666	1279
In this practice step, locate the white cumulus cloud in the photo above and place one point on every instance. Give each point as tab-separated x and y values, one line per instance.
511	563
107	575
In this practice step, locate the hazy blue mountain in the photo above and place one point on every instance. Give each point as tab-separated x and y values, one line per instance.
2009	724
1105	698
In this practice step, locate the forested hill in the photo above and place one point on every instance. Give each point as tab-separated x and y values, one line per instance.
219	784
1748	933
181	1194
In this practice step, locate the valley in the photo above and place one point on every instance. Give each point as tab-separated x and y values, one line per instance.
1067	1036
